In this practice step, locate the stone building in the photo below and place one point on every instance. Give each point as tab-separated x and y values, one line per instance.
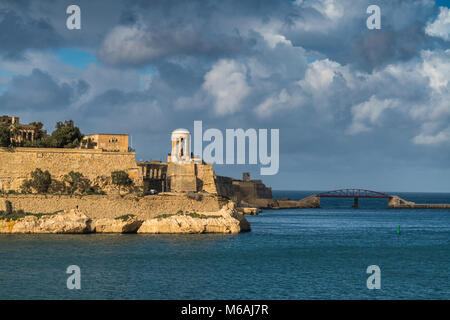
184	173
106	142
22	132
245	191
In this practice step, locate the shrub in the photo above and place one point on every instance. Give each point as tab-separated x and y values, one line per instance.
76	181
26	186
121	179
5	137
40	181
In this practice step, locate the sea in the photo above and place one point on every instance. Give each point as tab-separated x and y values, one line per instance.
291	254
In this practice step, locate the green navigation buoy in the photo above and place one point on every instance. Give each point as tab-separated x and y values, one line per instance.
398	230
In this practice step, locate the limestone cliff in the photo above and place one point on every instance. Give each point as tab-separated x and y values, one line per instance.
226	220
72	221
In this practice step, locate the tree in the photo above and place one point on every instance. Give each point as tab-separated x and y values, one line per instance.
121	179
5	137
38	133
66	135
76	181
26	186
40	180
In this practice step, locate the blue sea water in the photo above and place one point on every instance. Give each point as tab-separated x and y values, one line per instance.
289	254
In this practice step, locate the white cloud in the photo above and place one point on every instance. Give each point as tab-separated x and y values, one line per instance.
273	104
441	26
368	113
129	43
436	66
320	75
226	83
429	139
274	39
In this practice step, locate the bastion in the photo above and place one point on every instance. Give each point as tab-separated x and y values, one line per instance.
17	163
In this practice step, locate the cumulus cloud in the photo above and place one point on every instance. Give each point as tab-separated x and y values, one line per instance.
129	43
442	136
227	84
441	26
39	91
368	113
21	32
310	68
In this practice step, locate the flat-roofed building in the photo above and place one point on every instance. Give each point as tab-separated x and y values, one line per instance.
106	142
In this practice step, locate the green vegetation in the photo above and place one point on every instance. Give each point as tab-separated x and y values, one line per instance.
66	135
125	217
5	137
40	181
75	181
188	214
121	179
19	214
165	215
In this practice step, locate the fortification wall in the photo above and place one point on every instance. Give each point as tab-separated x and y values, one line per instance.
102	206
191	177
206	175
16	164
182	177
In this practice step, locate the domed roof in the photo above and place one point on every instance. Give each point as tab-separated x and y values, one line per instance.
181	130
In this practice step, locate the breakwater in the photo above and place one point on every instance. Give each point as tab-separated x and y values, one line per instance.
398	203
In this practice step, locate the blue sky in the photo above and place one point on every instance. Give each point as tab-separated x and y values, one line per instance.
76	57
355	107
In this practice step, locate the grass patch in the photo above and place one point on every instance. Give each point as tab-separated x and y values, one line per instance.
166	215
188	214
125	217
19	214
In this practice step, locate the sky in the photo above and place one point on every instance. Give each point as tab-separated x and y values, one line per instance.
354	107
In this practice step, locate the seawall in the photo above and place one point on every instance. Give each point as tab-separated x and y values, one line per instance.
398	203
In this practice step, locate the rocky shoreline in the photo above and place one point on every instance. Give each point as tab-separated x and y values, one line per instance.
227	220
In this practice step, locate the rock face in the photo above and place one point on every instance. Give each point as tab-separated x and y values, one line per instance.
73	221
227	220
398	203
108	225
249	211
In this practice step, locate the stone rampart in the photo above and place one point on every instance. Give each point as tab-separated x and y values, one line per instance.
16	164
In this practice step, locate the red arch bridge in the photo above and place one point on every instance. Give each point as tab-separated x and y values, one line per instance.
353	193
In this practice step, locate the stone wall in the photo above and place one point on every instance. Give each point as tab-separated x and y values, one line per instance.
181	177
16	164
244	192
191	177
206	176
396	202
108	206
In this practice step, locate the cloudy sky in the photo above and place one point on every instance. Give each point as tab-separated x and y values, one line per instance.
355	107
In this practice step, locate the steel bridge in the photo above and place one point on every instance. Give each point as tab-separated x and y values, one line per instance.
353	193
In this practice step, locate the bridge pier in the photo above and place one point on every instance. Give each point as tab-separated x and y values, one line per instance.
355	203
